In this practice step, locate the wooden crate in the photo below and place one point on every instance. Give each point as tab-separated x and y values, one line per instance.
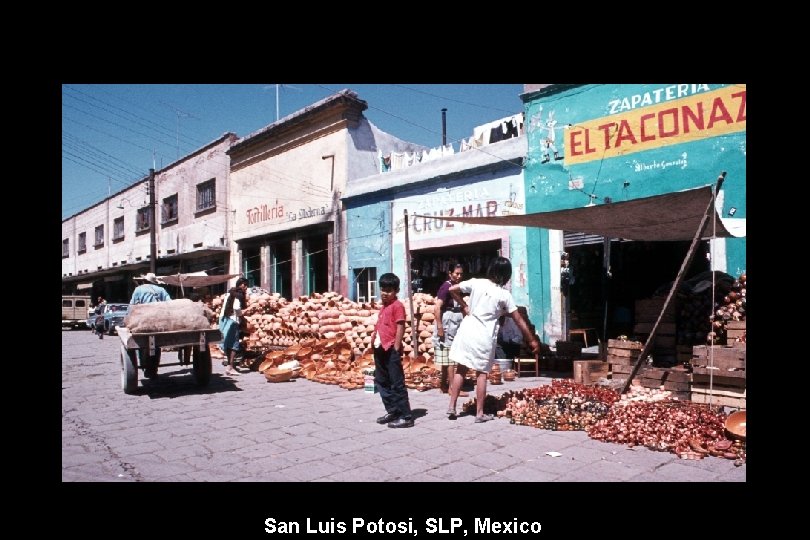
700	379
725	359
675	379
619	370
734	330
665	328
589	371
622	360
724	397
648	310
620	345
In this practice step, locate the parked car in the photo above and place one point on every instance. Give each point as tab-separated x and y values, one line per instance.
113	316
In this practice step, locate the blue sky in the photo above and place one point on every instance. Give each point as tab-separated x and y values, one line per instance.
113	133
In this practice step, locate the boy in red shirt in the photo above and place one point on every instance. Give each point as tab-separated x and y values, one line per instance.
387	343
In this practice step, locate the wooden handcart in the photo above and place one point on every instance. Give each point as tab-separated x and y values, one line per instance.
143	350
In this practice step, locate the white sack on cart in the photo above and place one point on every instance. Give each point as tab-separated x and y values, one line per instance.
174	315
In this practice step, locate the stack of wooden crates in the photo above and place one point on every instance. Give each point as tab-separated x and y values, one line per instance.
622	356
647	310
718	375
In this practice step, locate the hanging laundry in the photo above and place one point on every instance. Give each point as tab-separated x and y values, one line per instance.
511	129
480	135
495	134
397	161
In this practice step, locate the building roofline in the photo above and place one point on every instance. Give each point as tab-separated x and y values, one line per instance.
346	96
134	184
501	155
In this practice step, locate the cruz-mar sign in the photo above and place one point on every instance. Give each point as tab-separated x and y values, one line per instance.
499	197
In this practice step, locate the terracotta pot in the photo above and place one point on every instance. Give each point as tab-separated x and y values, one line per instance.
278	375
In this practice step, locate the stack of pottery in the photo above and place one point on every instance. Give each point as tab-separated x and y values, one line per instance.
494	376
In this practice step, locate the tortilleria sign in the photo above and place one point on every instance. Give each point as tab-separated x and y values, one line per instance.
692	118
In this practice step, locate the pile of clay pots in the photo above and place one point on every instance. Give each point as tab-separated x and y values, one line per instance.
274	322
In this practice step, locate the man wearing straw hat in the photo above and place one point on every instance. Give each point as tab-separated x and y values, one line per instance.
146	293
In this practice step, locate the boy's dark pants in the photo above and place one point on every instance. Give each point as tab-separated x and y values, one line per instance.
390	380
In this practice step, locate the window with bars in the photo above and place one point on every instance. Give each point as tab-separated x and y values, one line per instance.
99	236
169	209
66	248
82	242
206	195
118	228
142	221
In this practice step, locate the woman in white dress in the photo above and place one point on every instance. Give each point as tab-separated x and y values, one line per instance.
477	336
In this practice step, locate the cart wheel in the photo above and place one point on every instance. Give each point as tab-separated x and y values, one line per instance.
129	370
202	366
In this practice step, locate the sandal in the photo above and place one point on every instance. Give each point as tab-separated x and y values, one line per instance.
451	414
484	418
231	372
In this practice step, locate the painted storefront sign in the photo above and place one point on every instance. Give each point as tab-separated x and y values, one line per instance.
483	199
692	118
263	214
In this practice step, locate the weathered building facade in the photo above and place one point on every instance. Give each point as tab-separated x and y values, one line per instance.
287	179
480	181
104	246
596	144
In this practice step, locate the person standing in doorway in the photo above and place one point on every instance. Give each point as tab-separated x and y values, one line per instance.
447	317
146	293
476	339
232	322
387	343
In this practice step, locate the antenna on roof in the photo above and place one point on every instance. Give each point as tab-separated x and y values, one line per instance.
278	89
179	113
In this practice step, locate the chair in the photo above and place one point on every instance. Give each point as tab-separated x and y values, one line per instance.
586	336
520	362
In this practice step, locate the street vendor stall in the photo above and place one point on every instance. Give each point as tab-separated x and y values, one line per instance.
678	216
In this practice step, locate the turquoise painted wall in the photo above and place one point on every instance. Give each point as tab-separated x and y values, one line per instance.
629	141
368	225
371	242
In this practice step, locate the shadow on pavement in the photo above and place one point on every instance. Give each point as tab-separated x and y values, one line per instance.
418	413
179	383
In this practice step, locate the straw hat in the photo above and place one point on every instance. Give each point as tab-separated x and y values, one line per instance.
149	276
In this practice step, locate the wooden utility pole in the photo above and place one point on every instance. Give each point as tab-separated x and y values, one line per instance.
152	224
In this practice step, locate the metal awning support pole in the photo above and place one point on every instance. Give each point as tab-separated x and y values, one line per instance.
409	289
675	284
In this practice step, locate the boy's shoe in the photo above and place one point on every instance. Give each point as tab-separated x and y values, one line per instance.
401	422
390	417
484	418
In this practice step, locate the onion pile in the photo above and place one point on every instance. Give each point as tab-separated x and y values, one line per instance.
561	406
730	308
687	429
